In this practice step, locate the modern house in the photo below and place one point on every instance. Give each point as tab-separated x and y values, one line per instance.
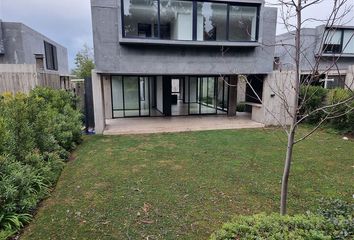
325	51
24	49
178	57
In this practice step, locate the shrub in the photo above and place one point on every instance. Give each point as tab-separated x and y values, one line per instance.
341	215
241	107
345	121
334	220
312	97
15	117
37	131
262	226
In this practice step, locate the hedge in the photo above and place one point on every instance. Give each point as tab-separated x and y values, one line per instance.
334	220
37	133
314	97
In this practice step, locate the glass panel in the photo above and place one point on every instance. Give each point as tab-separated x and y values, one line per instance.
211	21
348	41
176	20
220	96
193	91
332	40
226	94
333	37
131	96
140	18
144	96
243	23
117	96
208	99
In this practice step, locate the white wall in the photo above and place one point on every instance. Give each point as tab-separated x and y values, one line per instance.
107	94
273	111
349	79
241	90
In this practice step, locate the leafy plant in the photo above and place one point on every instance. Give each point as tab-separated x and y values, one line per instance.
275	226
241	107
312	97
37	131
341	215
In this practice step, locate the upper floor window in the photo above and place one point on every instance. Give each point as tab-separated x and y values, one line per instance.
51	56
189	20
338	41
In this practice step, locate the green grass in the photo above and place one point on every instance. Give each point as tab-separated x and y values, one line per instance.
185	185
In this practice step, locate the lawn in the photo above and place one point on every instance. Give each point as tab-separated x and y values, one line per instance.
185	185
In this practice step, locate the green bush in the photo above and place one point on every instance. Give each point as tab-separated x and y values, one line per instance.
345	121
241	107
314	97
37	132
311	98
341	215
268	227
333	220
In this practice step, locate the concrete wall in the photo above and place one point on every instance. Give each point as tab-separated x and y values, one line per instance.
98	102
349	79
21	43
278	95
107	94
241	90
311	39
112	56
2	48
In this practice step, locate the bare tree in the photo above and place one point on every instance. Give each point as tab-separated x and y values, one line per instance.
292	19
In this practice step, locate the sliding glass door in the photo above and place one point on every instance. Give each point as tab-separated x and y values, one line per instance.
207	95
130	96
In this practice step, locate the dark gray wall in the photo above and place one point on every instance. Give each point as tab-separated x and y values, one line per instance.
111	56
2	49
21	43
311	39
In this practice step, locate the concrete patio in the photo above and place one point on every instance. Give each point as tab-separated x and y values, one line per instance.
143	125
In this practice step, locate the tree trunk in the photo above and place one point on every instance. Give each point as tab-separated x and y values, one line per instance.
291	137
285	179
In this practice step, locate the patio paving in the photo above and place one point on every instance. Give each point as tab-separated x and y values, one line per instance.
123	126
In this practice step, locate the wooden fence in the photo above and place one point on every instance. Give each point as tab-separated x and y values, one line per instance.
24	77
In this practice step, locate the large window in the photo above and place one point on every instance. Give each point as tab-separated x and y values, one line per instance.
176	20
140	18
211	21
242	23
190	20
51	56
348	41
339	41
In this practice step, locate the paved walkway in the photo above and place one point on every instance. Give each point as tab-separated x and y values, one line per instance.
177	124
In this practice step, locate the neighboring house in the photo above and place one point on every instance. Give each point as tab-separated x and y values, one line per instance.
328	50
24	49
178	57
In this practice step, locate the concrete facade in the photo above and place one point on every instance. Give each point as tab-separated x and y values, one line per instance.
116	55
311	47
278	99
19	44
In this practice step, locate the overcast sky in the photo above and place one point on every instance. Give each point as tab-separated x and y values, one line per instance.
68	22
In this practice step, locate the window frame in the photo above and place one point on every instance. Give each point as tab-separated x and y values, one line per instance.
342	31
194	21
51	55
